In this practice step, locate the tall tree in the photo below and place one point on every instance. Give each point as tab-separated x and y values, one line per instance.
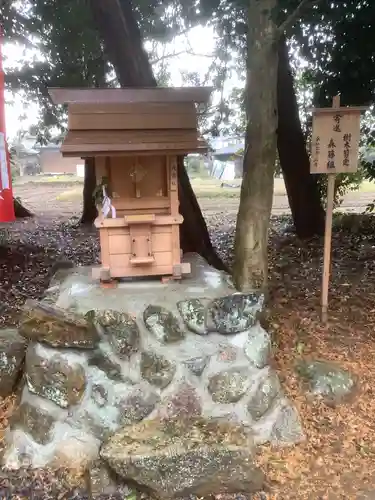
250	267
264	32
120	32
301	186
71	56
230	21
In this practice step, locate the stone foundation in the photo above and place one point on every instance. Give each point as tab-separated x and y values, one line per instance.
193	348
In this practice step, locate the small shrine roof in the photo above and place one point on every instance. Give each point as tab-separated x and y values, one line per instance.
128	95
128	120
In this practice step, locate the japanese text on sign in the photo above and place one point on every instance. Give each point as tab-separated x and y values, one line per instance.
335	141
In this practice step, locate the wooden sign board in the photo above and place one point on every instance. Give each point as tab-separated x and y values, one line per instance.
334	150
335	140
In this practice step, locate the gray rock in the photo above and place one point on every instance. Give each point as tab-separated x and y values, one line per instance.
12	355
102	361
162	324
103	483
56	327
35	421
121	329
264	396
100	480
112	405
227	354
193	313
99	395
54	377
157	370
94	425
137	406
184	403
197	365
258	346
175	459
327	380
287	428
228	386
235	313
91	392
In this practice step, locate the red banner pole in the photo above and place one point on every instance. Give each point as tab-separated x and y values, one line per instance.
6	192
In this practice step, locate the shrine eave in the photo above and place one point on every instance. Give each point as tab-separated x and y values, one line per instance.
130	95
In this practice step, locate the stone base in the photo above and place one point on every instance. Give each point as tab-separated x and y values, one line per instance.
178	349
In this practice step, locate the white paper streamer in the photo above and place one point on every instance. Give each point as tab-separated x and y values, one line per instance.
107	205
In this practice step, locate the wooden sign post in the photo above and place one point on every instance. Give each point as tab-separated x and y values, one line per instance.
334	149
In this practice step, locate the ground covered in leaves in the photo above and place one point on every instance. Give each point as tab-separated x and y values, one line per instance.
338	458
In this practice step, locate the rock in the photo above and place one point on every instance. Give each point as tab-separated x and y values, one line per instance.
184	403
121	328
35	421
103	483
57	327
258	346
327	380
228	386
234	313
55	377
193	313
99	395
197	365
227	354
95	425
61	265
157	370
102	361
74	452
264	396
12	355
162	324
60	271
287	428
137	406
100	480
176	459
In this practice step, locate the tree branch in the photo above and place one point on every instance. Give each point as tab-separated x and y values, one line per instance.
294	15
179	53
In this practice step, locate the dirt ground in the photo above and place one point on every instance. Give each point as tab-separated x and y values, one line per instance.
337	460
43	199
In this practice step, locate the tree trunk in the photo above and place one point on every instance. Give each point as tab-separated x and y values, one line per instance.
194	233
251	267
123	42
89	212
238	168
303	194
20	211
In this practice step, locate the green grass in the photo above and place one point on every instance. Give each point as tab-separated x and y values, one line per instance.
206	188
70	194
49	179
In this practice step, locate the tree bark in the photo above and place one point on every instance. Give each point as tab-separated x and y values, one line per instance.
123	42
301	186
20	211
89	212
251	266
238	168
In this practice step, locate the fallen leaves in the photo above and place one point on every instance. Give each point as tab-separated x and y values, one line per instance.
338	458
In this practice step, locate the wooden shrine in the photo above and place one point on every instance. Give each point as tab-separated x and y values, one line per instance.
135	137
